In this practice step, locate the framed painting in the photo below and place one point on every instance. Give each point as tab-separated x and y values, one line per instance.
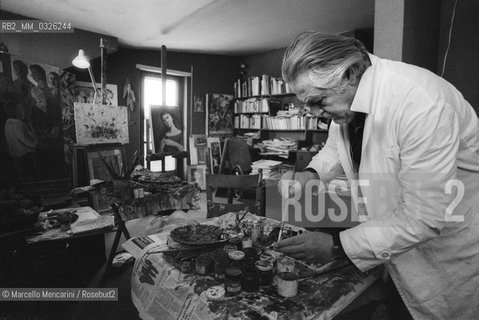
167	129
99	124
84	93
219	114
197	173
214	146
198	149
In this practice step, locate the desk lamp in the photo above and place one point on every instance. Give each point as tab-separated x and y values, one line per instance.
82	62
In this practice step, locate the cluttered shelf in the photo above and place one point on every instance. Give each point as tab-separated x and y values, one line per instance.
276	95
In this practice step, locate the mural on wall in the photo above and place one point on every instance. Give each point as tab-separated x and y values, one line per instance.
84	93
129	95
31	139
166	125
95	124
219	114
67	98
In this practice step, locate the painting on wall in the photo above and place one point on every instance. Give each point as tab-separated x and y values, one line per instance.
129	95
84	93
95	124
166	125
219	114
199	104
31	136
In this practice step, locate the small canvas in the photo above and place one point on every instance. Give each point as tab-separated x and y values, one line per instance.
98	124
197	174
214	147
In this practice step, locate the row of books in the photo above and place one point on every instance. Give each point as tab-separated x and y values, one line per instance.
290	123
252	105
247	122
296	122
260	86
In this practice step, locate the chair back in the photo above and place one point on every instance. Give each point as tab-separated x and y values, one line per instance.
238	184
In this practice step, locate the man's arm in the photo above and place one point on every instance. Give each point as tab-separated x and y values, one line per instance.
428	146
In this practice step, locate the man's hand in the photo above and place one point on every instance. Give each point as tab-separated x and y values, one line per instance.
287	188
310	246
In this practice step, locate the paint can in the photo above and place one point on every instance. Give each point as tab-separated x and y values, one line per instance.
287	284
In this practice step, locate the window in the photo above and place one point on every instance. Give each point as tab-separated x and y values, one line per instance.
152	95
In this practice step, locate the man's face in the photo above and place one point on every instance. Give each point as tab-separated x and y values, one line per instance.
326	103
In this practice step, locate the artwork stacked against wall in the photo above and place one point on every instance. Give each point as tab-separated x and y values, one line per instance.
219	126
35	110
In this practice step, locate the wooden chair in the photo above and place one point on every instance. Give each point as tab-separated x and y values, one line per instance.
233	183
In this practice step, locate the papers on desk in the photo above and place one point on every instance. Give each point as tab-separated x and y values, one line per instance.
89	220
137	247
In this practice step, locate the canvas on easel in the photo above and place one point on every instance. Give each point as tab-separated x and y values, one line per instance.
168	133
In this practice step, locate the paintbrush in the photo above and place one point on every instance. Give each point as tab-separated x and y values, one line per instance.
291	185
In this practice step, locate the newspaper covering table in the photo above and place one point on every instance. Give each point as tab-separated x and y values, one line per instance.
161	291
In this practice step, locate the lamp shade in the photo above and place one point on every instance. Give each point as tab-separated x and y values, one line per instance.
81	61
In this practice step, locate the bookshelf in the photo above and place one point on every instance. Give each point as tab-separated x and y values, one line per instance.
265	105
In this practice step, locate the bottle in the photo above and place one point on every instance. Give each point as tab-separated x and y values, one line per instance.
250	273
265	269
233	280
236	258
203	264
221	262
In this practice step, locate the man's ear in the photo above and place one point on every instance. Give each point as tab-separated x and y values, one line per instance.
350	77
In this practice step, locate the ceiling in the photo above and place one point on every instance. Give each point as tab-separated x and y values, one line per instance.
236	27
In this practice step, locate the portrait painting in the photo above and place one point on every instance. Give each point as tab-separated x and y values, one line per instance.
197	173
98	124
167	129
219	114
31	137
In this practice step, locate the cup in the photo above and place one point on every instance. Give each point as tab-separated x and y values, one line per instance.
287	284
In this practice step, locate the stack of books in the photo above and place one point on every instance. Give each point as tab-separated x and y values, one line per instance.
277	147
269	167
